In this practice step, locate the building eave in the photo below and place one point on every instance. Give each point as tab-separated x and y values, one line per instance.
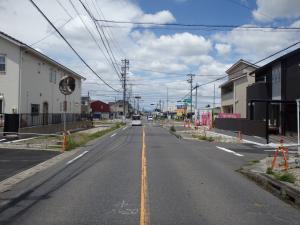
281	58
39	54
240	62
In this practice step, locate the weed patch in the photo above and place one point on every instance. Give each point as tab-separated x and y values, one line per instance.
80	139
285	176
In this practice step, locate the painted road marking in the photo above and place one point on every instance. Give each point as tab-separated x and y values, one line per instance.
77	157
144	212
2	139
113	135
229	151
124	128
19	140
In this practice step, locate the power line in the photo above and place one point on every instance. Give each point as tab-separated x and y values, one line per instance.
207	29
102	29
68	43
251	64
249	8
107	48
66	11
199	25
50	33
111	35
91	34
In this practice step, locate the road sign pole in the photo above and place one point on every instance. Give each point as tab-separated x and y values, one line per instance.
65	109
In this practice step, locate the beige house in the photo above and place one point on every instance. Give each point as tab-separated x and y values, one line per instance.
29	81
234	91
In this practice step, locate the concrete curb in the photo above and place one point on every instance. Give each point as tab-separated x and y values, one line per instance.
10	182
280	189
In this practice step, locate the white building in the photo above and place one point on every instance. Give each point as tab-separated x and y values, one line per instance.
29	81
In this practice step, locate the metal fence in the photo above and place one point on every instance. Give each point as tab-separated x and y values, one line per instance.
30	120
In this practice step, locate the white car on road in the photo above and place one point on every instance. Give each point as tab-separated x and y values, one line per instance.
136	120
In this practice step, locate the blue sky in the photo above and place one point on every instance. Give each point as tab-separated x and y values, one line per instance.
173	53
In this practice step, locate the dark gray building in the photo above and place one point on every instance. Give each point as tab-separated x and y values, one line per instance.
273	95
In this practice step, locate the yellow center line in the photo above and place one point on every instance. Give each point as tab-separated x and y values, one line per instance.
144	212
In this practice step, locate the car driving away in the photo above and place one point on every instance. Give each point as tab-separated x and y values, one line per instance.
136	120
150	118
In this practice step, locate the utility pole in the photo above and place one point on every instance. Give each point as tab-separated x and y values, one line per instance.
196	102
190	80
124	69
115	114
167	103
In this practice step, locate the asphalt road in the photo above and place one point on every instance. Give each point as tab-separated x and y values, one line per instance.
126	178
13	161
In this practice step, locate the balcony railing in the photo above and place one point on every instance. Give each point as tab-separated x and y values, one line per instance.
227	96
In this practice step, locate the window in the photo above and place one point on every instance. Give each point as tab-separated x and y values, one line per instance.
52	77
2	64
35	108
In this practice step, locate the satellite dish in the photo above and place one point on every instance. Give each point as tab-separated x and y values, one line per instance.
67	85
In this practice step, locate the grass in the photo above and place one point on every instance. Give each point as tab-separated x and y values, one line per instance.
285	176
254	161
80	139
204	138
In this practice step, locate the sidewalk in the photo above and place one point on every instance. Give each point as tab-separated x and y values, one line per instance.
51	142
230	136
283	183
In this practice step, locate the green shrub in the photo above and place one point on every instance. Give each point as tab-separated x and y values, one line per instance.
172	129
210	139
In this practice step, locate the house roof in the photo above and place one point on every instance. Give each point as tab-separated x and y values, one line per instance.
292	53
93	101
241	61
38	54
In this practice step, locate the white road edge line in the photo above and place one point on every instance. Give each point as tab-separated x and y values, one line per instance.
77	157
2	139
15	141
113	135
124	128
229	151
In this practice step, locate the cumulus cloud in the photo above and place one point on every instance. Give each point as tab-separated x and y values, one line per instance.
223	49
276	9
256	44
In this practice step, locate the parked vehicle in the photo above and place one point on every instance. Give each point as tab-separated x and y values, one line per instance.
136	120
150	118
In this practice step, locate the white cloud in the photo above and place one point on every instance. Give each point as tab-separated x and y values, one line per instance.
160	17
268	10
256	44
223	49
